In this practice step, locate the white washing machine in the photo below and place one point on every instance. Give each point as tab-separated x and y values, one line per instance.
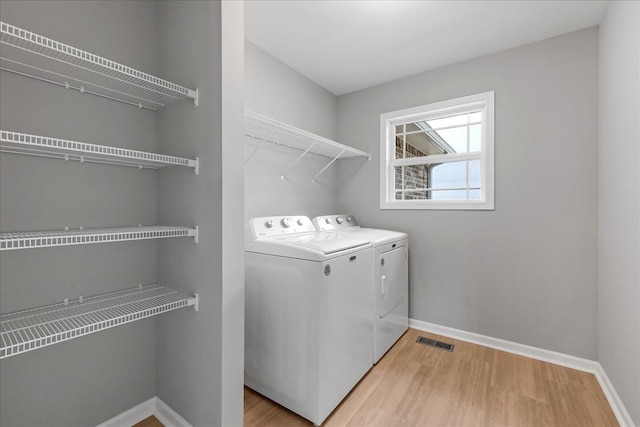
391	279
308	319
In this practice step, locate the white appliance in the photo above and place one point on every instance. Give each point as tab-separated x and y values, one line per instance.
391	283
309	316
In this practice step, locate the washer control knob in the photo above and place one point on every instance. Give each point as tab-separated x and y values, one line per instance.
348	219
301	221
269	224
339	220
286	222
328	220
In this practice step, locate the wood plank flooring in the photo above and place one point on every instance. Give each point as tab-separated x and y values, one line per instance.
415	385
149	422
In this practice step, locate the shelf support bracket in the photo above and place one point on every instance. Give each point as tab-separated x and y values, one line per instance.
195	302
329	164
196	166
195	94
282	176
196	234
255	150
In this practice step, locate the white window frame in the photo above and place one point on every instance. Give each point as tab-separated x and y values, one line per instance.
388	122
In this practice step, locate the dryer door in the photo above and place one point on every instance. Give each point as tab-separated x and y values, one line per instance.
392	266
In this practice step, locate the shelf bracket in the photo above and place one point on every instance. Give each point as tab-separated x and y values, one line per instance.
282	176
196	166
255	150
329	164
195	302
196	97
196	234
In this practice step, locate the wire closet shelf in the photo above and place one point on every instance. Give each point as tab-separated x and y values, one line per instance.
32	55
269	130
46	239
31	329
43	146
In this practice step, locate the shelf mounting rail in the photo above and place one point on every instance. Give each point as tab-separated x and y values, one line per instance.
32	55
35	328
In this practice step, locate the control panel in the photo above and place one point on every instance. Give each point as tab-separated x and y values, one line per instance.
335	222
280	225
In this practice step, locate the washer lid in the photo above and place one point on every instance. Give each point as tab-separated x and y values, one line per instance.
316	246
380	237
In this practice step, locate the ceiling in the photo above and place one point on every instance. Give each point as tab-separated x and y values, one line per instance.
349	45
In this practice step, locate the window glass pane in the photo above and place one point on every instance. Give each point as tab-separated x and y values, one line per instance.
398	178
457	120
474	173
448	195
475	138
448	175
435	152
453	140
415	176
424	144
415	195
474	194
413	127
399	150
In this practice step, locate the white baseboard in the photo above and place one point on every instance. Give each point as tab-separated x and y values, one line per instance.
154	406
132	416
168	416
614	400
554	357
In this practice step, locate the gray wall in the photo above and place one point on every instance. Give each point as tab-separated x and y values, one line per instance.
88	380
619	201
525	272
193	355
275	90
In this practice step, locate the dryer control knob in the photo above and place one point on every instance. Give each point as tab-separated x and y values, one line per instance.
328	220
339	220
286	222
348	219
301	221
269	224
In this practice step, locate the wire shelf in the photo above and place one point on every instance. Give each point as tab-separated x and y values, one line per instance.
42	58
269	130
34	145
46	239
40	327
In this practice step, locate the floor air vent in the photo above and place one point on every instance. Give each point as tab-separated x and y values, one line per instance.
434	343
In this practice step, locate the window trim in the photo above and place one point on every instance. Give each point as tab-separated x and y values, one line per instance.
389	120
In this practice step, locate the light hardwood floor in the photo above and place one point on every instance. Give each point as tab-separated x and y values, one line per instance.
149	422
416	385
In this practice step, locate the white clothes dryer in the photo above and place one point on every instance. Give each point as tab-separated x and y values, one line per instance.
391	277
308	314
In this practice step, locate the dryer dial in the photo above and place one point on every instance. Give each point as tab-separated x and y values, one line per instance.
286	222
